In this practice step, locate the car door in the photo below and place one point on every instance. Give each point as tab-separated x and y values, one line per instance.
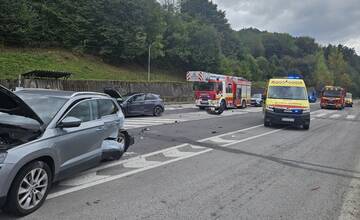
150	102
136	104
79	148
108	112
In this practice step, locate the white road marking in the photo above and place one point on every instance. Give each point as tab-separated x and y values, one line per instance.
90	178
197	147
220	140
112	178
321	115
83	179
140	163
351	117
231	133
176	153
251	138
335	116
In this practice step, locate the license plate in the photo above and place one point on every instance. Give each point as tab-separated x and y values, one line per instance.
204	102
288	119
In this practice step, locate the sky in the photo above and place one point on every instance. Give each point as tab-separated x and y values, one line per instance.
328	21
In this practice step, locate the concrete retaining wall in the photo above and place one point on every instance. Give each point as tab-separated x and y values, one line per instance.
169	91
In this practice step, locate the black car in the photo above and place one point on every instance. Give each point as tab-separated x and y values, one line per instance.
136	104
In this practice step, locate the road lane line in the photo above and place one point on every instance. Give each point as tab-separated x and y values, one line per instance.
221	140
176	153
112	178
233	132
83	179
141	164
251	138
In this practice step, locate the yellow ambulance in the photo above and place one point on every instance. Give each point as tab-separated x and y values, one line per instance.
349	100
286	102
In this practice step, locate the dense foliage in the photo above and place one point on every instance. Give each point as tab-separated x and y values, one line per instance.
185	34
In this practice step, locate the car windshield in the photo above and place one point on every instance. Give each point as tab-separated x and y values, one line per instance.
44	106
204	86
257	96
332	93
287	92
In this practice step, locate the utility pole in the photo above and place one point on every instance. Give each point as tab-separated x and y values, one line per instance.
149	62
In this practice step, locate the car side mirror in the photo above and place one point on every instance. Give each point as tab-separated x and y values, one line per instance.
70	122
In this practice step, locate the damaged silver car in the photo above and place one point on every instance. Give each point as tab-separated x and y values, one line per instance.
46	136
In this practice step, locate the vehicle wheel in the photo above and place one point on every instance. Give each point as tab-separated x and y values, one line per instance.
266	123
158	111
243	104
306	126
202	107
223	106
29	189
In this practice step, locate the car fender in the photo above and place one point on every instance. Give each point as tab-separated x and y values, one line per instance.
28	156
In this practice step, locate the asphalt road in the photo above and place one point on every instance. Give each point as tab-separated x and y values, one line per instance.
222	167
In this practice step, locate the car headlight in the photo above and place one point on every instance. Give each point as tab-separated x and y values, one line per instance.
270	108
306	110
2	157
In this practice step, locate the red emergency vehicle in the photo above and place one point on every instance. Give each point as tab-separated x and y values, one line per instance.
333	97
220	91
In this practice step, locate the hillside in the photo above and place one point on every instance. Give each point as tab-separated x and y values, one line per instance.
16	61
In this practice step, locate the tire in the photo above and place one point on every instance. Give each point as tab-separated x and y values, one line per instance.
223	106
243	104
218	111
266	123
306	126
202	108
14	205
157	111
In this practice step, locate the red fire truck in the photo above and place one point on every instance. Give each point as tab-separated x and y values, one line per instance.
333	97
220	91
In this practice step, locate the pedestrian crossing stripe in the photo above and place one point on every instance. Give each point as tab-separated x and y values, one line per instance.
335	116
351	117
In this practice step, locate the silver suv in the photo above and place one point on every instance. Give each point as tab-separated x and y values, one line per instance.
47	135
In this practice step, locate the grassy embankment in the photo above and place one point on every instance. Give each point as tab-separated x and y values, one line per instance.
17	61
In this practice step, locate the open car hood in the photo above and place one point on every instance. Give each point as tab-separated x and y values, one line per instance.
13	105
113	93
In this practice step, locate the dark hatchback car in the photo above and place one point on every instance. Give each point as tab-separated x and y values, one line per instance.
137	104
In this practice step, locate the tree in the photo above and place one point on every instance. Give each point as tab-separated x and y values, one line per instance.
322	75
337	65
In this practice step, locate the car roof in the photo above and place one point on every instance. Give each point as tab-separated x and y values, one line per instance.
59	93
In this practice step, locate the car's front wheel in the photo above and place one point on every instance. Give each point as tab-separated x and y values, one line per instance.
29	189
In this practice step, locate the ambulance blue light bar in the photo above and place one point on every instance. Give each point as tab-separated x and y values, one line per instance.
294	76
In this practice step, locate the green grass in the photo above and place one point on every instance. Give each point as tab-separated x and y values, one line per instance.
17	61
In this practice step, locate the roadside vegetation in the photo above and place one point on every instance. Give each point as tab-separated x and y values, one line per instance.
17	61
183	35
